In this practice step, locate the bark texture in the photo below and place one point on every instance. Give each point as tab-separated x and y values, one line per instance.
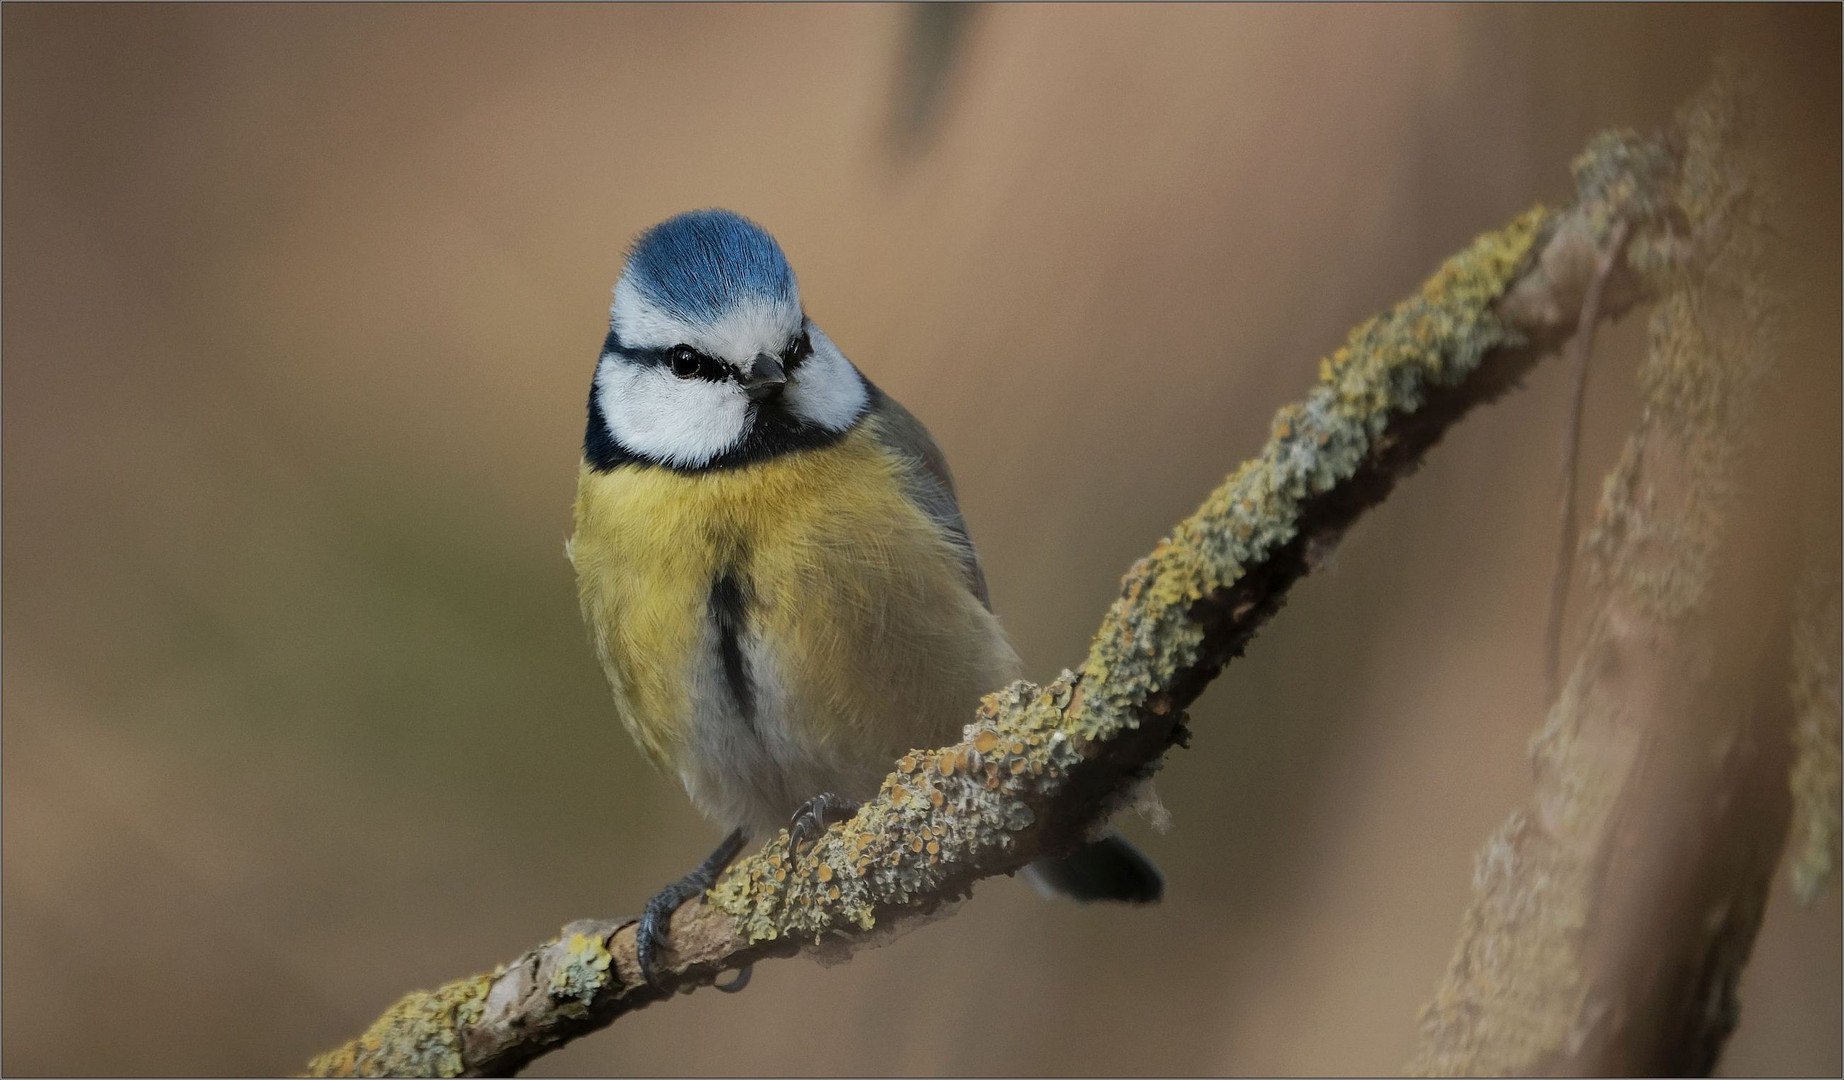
1613	915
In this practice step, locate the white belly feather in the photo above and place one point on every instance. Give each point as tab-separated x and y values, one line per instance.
754	769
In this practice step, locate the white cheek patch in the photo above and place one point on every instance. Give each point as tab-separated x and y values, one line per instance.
678	422
825	389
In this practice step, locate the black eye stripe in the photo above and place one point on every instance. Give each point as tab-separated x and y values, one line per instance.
686	362
661	357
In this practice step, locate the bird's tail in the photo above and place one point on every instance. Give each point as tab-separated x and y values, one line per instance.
1108	869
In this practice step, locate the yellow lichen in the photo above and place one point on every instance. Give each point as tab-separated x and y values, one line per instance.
418	1036
584	971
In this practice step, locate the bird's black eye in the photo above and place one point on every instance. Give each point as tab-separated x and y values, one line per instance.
686	363
798	349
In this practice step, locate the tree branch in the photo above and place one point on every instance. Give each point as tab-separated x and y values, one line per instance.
1612	917
1041	765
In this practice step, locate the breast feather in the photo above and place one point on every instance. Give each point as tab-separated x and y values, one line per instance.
858	593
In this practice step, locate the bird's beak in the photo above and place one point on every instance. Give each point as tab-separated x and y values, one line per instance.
764	379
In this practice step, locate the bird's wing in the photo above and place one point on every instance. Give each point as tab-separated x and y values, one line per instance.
928	482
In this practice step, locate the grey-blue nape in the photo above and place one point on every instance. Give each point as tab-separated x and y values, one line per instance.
701	263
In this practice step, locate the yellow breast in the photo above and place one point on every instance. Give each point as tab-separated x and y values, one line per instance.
879	644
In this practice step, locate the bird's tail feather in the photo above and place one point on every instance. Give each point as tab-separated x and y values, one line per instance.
1108	869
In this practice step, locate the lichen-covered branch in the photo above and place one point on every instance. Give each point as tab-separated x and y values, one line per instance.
1612	917
1041	765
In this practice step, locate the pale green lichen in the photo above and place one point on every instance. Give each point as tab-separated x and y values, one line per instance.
1384	370
940	810
1623	177
581	973
418	1036
944	811
421	1034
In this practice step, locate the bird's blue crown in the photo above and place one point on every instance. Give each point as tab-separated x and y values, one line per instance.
702	263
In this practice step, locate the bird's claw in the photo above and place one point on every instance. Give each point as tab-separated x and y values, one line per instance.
655	930
815	816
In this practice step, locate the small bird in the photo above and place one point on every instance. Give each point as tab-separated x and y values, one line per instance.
772	562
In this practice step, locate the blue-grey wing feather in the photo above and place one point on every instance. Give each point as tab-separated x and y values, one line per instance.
929	483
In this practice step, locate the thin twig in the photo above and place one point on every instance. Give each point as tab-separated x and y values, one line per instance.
1581	349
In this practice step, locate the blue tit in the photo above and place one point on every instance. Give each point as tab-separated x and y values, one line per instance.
771	560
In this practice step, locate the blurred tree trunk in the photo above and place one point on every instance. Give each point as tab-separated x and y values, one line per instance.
1613	915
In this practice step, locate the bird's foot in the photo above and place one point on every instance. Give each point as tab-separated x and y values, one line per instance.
655	930
816	815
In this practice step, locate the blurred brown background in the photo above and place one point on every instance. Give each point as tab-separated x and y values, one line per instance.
301	305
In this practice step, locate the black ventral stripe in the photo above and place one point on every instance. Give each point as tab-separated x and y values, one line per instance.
729	611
